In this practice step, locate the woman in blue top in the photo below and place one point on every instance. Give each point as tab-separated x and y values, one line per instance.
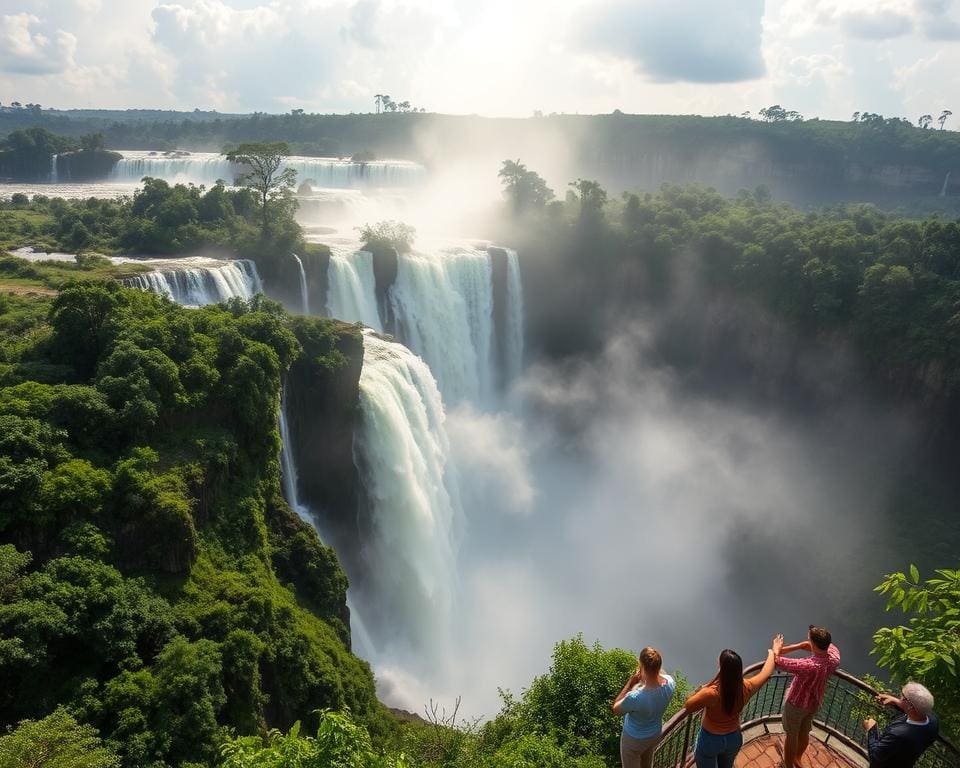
642	702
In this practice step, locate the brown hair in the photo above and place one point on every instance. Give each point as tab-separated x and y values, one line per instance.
820	637
650	660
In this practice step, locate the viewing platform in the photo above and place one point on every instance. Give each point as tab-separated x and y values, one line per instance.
838	739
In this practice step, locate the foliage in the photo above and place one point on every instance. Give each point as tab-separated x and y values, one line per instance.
525	189
138	478
927	648
340	743
57	741
272	186
387	234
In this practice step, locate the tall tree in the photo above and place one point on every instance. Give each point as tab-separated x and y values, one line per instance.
943	117
924	121
525	189
265	176
378	98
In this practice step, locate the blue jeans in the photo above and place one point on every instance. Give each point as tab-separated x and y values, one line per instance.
715	751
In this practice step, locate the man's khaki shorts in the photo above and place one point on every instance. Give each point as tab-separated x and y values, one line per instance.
796	720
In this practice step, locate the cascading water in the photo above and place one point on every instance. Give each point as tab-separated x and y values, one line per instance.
208	168
402	454
288	468
513	343
53	169
443	303
197	282
304	296
946	185
351	292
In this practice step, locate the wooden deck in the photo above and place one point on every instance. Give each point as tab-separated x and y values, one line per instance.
767	752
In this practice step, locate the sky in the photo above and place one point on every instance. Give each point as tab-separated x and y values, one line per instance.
825	58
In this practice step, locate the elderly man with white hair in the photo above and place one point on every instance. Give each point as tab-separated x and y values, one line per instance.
903	741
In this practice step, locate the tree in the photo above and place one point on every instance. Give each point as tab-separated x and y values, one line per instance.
378	99
387	234
92	142
404	106
592	196
525	189
265	176
927	649
774	113
856	116
57	741
924	121
943	117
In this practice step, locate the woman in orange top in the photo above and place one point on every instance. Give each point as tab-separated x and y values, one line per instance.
722	700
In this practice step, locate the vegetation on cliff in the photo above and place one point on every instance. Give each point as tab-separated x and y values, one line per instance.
153	583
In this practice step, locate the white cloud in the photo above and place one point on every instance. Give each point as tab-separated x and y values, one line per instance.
29	47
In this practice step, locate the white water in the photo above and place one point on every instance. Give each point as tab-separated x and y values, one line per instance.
197	282
288	468
513	341
946	184
208	168
402	453
304	297
53	169
350	286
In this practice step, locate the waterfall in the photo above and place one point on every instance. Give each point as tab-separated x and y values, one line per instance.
197	282
304	297
946	184
513	343
351	293
401	451
53	168
208	167
288	467
443	303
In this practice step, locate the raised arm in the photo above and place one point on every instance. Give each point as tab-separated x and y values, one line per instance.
886	700
617	705
764	674
804	646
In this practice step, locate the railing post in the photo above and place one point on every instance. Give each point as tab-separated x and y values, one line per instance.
686	743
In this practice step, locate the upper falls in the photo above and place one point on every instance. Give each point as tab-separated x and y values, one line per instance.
208	168
195	282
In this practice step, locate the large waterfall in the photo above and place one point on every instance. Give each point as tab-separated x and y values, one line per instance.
196	282
351	292
208	168
442	302
414	507
288	468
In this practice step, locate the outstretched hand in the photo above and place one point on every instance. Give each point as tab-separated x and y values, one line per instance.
886	700
777	644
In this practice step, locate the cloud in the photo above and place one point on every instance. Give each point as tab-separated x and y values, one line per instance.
875	24
28	46
685	40
363	23
936	20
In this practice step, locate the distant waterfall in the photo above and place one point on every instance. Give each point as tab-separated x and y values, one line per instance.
207	168
351	291
53	169
402	455
304	297
946	184
196	284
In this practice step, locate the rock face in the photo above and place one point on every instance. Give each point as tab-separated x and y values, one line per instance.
322	397
386	264
281	278
86	165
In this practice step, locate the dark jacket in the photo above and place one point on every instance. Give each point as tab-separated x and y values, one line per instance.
901	743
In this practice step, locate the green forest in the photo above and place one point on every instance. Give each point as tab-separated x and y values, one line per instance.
160	604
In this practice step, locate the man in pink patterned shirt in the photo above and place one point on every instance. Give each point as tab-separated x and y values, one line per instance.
806	690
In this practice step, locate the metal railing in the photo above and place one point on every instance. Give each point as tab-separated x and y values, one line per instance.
839	722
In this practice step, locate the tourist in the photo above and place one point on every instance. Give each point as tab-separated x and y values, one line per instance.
902	742
806	690
642	702
722	700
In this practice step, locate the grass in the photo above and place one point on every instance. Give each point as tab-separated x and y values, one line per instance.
21	276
